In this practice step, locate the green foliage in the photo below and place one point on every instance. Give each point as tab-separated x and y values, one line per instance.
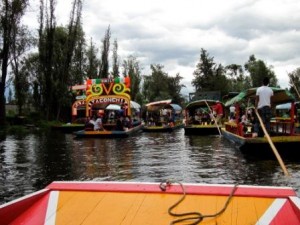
209	76
104	63
294	81
115	60
11	13
258	70
92	61
132	69
237	80
160	86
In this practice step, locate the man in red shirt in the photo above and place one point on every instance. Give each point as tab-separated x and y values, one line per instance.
218	108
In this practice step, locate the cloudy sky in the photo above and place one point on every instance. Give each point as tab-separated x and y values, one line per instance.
172	32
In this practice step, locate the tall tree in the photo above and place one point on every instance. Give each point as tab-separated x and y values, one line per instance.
175	89
46	51
74	34
115	60
294	81
132	69
92	61
237	80
155	86
22	41
160	86
57	47
209	76
79	62
10	16
258	70
204	72
104	64
29	73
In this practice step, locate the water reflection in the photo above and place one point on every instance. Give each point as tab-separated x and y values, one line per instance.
31	162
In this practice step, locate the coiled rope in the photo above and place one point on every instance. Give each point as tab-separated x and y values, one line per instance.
194	217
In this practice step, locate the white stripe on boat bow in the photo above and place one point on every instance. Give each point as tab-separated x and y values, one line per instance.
51	209
271	212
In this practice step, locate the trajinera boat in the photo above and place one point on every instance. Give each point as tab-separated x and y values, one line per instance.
199	118
135	203
163	116
282	129
109	99
77	124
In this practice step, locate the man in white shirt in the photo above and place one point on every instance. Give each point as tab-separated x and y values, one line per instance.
263	103
98	124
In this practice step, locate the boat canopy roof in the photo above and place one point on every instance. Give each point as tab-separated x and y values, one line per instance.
286	105
164	104
280	96
158	103
133	105
201	103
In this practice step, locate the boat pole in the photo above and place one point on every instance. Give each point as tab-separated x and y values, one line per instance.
272	144
213	117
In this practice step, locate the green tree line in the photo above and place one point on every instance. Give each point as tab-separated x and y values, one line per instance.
42	69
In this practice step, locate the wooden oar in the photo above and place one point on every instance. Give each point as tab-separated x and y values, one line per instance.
272	145
213	117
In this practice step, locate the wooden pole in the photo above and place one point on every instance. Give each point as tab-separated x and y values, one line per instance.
213	117
272	145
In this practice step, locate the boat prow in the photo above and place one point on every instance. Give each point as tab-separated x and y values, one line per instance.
148	203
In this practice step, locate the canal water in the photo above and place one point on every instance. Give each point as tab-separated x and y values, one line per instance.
29	163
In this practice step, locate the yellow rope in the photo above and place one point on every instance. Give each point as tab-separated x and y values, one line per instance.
194	217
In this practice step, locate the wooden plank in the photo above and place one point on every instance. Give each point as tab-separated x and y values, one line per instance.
89	208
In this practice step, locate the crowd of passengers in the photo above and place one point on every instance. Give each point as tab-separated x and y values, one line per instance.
161	118
116	119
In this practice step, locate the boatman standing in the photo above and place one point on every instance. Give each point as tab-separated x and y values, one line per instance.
263	105
218	108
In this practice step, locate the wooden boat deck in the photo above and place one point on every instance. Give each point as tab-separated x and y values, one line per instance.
90	203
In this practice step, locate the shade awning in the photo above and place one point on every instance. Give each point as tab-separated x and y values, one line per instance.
280	96
201	104
157	103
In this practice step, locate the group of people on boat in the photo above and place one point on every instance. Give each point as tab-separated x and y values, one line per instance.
164	117
110	119
205	116
120	123
247	118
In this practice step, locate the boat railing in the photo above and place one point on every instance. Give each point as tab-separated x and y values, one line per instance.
282	126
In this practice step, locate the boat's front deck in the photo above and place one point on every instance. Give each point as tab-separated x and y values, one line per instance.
137	203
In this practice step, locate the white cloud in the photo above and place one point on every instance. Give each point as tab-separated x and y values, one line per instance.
172	32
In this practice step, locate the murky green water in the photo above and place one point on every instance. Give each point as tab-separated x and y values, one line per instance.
31	162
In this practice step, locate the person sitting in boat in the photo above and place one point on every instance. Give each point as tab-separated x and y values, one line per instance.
127	122
89	124
232	112
98	123
119	124
198	118
205	118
